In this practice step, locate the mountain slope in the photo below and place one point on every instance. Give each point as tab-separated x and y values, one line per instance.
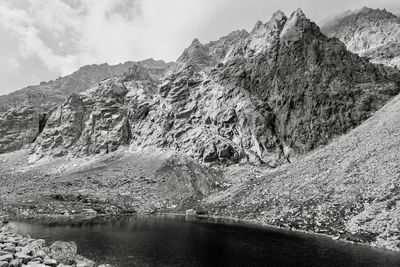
283	87
51	93
372	33
350	188
26	111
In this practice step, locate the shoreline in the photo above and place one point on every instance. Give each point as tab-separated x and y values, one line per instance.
51	220
255	223
21	250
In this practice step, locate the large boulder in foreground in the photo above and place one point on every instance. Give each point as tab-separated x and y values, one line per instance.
63	252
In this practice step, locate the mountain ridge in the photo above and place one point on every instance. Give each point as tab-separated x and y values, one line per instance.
76	82
372	33
257	104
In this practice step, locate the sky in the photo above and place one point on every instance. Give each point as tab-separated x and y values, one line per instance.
41	40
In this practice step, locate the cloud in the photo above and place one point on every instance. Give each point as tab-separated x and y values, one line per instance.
20	25
66	34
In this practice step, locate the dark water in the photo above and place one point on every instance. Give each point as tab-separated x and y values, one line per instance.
175	241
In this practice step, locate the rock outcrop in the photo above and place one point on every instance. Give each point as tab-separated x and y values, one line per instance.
20	125
284	88
372	33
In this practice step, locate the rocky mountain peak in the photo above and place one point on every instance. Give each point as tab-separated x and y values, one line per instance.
279	16
298	14
372	33
195	42
195	56
375	13
297	24
138	72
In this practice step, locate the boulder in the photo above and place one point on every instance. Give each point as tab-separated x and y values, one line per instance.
50	262
15	263
23	257
190	212
84	262
63	252
7	257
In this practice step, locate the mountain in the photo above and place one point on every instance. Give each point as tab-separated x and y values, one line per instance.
52	93
371	33
23	113
284	89
298	105
348	189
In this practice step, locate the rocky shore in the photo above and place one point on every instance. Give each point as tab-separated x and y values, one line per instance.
22	250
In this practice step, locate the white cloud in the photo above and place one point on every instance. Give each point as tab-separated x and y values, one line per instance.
66	34
97	31
20	25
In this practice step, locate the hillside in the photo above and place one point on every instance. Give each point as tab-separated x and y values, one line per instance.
372	33
350	188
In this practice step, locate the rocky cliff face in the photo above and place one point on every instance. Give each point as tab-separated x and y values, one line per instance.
23	113
247	97
19	127
372	33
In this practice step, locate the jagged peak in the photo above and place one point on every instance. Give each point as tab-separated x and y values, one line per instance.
279	16
195	42
377	13
257	26
297	23
298	14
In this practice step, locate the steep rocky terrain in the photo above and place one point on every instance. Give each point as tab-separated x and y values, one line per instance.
23	113
284	88
350	188
372	33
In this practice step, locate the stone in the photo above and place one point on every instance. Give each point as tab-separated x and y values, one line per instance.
24	257
15	263
8	257
84	262
190	212
63	252
50	262
10	249
35	264
89	212
39	253
33	247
